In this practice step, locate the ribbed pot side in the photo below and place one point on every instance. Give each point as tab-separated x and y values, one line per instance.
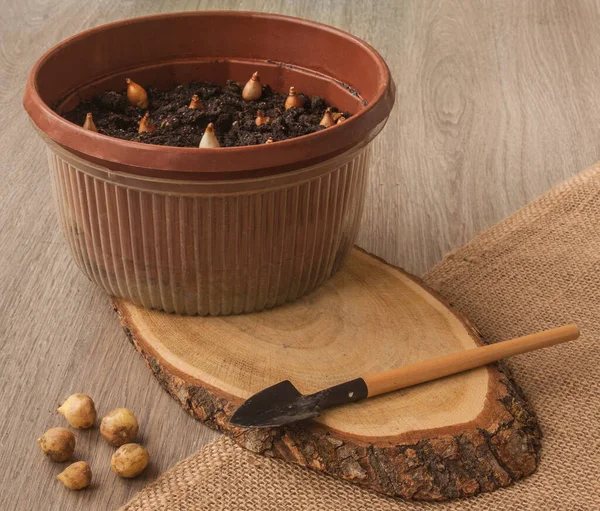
210	248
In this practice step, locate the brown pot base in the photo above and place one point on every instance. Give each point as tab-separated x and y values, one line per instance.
455	437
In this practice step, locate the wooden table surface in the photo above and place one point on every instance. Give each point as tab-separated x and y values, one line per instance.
497	101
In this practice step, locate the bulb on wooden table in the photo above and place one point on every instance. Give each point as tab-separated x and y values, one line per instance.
76	476
129	460
58	444
293	100
253	88
119	426
89	123
136	94
209	139
79	410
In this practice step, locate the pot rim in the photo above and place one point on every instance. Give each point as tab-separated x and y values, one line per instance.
219	163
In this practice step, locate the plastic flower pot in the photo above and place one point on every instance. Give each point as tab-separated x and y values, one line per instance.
210	231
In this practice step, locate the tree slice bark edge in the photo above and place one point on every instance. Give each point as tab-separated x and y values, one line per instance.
498	448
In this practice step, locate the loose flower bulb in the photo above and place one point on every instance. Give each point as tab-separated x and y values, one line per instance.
136	94
129	460
209	139
341	120
79	410
76	476
58	444
253	88
89	123
261	119
327	119
119	426
195	103
293	100
269	141
146	124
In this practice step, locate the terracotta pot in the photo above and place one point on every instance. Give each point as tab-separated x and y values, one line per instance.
211	231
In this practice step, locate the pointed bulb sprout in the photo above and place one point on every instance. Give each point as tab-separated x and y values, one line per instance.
327	119
253	88
293	100
261	119
136	94
269	141
79	410
89	123
195	103
76	476
209	139
146	124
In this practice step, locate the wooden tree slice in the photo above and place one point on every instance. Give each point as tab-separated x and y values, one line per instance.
459	436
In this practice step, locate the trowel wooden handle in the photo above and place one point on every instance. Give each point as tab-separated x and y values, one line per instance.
469	359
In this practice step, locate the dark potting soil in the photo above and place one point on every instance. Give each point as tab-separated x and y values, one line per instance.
180	126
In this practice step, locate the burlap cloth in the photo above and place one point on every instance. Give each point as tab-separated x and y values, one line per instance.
538	269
